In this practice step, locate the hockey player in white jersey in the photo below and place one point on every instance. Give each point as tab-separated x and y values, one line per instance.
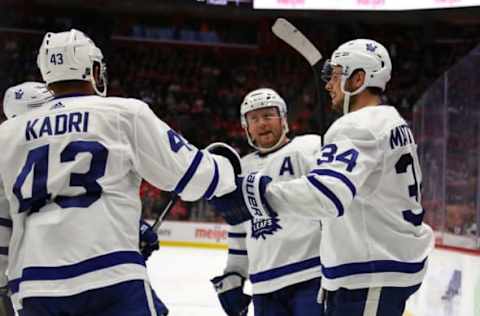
25	97
17	100
366	189
280	255
69	179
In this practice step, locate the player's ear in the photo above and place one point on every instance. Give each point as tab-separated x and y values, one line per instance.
357	79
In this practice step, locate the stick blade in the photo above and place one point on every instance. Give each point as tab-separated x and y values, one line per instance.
293	37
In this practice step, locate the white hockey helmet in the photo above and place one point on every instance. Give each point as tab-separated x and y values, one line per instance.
259	99
365	54
71	56
24	97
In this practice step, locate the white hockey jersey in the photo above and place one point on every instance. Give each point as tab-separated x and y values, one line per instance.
365	187
70	175
279	251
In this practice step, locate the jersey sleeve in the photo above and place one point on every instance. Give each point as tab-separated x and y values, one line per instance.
350	155
5	234
237	260
165	159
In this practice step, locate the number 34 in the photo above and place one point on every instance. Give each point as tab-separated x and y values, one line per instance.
329	154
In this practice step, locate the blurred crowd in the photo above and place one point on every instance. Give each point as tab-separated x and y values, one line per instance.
195	73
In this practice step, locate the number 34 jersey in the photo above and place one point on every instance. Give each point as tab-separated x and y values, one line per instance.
70	173
365	187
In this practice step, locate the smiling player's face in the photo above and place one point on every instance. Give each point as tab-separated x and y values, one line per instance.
265	126
334	89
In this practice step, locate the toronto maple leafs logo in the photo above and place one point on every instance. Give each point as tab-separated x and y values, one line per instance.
371	47
265	226
19	94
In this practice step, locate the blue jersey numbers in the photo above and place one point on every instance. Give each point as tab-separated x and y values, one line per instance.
329	154
38	162
405	161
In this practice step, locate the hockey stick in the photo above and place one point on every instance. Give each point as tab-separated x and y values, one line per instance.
288	33
158	221
220	149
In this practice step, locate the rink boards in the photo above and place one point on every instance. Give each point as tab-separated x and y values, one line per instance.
451	287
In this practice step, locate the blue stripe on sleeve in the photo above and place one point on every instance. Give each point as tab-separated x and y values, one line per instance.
285	270
378	266
213	184
77	269
4	251
189	173
326	191
14	285
237	235
5	222
337	175
237	252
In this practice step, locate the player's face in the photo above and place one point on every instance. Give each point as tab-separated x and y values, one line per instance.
333	88
265	126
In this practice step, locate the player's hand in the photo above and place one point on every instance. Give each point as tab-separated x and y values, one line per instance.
229	288
148	240
247	201
231	206
228	152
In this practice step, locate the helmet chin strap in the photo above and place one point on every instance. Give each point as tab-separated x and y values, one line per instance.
347	95
102	93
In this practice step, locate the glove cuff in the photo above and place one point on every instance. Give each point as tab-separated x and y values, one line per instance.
227	282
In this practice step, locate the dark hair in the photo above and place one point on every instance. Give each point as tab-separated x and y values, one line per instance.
375	91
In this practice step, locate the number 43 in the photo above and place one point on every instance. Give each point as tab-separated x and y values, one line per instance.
37	162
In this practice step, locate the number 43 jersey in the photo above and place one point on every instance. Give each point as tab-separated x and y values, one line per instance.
365	187
70	173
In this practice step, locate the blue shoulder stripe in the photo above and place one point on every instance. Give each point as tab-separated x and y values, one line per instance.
77	269
237	252
189	173
285	270
5	222
4	251
237	235
337	175
326	191
213	185
378	266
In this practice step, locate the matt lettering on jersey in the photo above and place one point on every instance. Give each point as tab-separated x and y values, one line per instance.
57	125
401	136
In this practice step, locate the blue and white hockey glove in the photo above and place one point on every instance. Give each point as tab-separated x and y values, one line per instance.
229	288
246	202
148	239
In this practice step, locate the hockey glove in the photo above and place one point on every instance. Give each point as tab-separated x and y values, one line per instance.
148	240
246	202
229	288
228	152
